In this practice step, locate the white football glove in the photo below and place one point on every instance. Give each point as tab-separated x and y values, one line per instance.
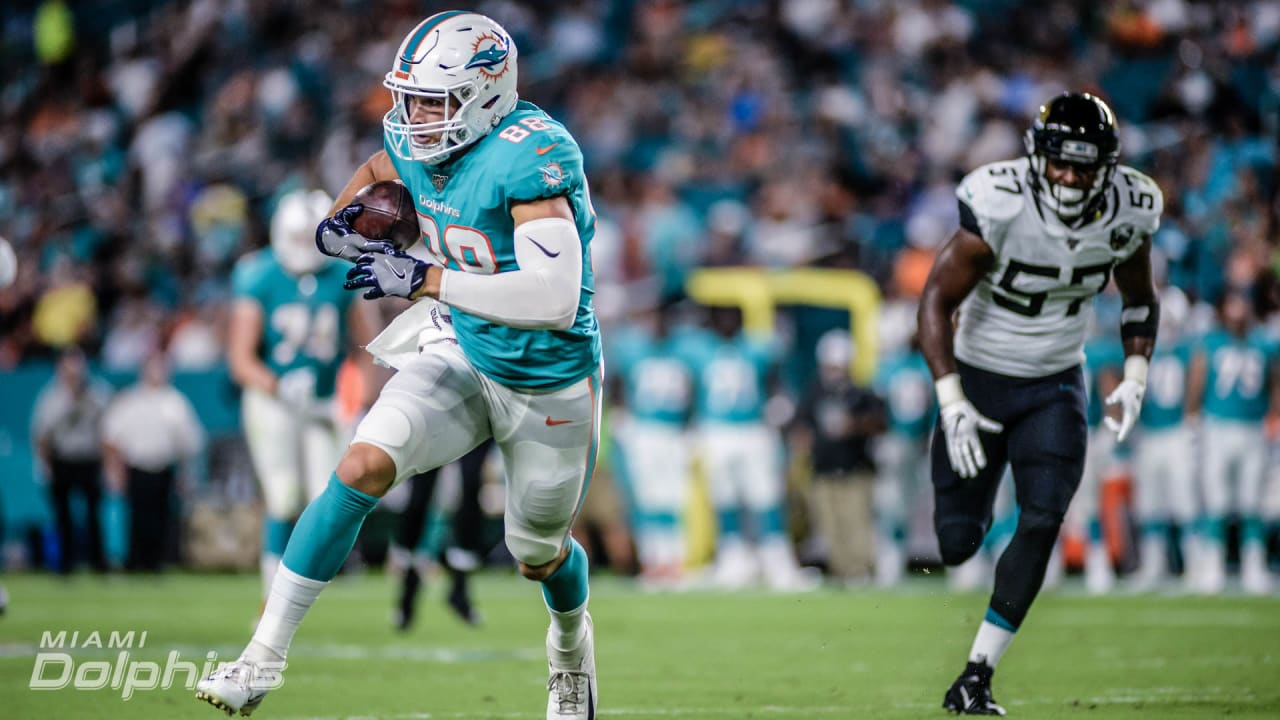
961	422
1128	395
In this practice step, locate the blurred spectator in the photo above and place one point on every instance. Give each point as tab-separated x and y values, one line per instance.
67	430
835	423
149	430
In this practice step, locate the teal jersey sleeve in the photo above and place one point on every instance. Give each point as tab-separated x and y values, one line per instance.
1165	400
905	383
1100	355
464	212
1238	376
304	318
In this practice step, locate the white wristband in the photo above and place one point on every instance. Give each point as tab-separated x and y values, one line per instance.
949	390
1135	369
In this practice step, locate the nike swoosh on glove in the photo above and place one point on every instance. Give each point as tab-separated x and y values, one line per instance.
387	271
336	237
961	422
1128	395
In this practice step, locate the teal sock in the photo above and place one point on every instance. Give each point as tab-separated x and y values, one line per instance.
327	531
769	522
275	535
1251	529
1095	530
566	589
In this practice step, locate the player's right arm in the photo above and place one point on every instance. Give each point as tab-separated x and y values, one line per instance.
334	235
1196	375
959	267
243	335
377	168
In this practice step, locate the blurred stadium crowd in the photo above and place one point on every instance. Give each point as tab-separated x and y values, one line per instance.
143	145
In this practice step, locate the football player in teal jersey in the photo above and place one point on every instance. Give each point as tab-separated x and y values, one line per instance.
1164	462
1234	383
904	381
1103	366
655	387
286	340
506	224
742	456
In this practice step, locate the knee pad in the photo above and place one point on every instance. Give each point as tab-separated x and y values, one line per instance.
959	540
533	548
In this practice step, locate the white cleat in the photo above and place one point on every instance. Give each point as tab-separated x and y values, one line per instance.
571	689
238	686
1099	578
1254	578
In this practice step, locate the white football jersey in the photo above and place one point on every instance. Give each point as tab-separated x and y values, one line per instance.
1027	316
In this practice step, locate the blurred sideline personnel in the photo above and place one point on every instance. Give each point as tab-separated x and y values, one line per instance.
1234	383
902	454
462	554
284	347
149	430
67	429
835	422
506	220
1039	237
652	374
1164	465
742	457
8	273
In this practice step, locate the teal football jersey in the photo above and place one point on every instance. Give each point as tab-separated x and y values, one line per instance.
657	376
732	377
304	319
1100	353
464	213
906	384
1238	375
1166	386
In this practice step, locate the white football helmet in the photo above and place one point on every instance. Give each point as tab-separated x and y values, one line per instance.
462	58
293	230
8	264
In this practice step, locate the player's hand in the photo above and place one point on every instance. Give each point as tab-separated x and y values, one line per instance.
1128	395
387	271
336	238
297	389
961	422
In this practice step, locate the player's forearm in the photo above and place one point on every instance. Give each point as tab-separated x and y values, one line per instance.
532	299
937	335
252	373
542	295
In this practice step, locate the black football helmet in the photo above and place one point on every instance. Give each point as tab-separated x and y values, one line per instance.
1075	128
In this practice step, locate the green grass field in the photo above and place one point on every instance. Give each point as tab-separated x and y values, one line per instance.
698	655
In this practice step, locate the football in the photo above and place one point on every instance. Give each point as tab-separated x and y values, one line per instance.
388	213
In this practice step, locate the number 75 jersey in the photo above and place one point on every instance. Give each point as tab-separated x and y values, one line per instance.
1027	316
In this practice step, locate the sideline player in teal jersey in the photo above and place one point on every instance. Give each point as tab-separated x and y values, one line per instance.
1103	365
1235	381
742	456
286	340
1164	461
506	224
904	381
655	373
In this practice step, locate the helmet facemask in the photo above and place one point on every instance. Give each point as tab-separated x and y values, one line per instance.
429	141
1078	130
465	62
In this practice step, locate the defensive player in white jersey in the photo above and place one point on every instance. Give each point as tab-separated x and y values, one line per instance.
1039	237
506	221
285	343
